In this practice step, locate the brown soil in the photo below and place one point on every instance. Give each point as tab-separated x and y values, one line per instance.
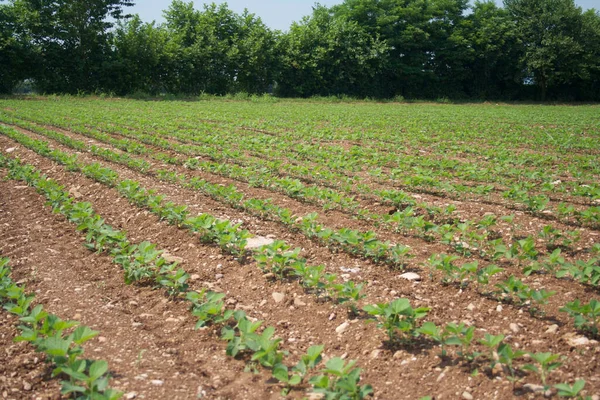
72	282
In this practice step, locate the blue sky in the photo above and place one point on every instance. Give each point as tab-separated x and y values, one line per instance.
277	14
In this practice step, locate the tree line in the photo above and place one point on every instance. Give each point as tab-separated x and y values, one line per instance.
525	50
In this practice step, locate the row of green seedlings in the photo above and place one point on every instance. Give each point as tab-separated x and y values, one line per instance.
538	205
84	379
466	238
295	188
354	242
327	155
283	262
348	163
143	263
402	324
313	278
226	236
276	258
514	291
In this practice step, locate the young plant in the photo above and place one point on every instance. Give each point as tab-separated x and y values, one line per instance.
544	364
340	380
398	318
587	316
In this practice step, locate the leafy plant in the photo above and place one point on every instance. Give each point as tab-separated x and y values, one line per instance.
398	318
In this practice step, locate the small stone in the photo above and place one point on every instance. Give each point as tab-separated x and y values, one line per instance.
471	307
10	149
440	377
331	316
552	329
514	327
171	319
131	395
499	308
375	353
278	297
157	382
219	276
269	275
258	241
575	341
497	369
262	303
316	396
194	277
172	259
101	339
467	396
530	387
342	328
26	386
411	276
397	355
298	302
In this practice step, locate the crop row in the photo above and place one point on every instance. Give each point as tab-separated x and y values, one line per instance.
264	173
381	157
466	238
144	264
282	260
85	379
354	242
397	318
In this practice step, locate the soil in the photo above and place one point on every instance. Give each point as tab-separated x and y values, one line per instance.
147	338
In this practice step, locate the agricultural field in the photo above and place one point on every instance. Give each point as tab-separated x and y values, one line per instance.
269	248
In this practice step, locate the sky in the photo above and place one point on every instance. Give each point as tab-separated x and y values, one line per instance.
277	14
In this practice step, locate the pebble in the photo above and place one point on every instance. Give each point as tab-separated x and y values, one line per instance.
514	327
375	353
258	241
471	307
219	276
278	297
499	308
411	276
552	329
157	382
575	341
467	396
10	149
530	387
172	259
26	386
342	328
331	316
131	395
298	302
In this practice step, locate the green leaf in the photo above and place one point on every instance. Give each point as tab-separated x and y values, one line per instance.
98	368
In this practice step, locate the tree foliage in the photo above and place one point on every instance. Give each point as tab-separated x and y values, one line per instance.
365	48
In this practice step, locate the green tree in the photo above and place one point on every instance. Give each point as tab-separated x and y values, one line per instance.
550	31
72	37
492	39
326	54
16	53
142	59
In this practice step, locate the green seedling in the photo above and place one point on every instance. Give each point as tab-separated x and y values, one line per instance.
587	316
545	363
398	318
